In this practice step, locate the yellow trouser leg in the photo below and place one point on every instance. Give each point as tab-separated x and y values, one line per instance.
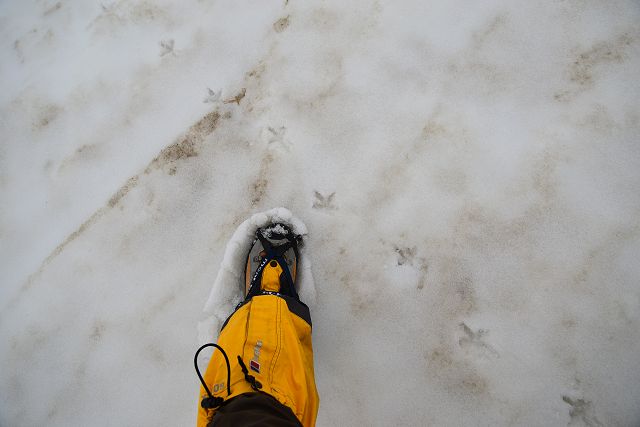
275	344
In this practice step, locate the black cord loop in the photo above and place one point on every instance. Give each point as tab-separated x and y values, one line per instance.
212	401
255	384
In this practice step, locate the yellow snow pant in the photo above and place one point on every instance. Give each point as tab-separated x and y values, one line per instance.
275	345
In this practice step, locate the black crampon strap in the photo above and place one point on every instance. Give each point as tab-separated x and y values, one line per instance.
212	401
277	253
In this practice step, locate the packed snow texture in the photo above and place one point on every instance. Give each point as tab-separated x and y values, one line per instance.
468	173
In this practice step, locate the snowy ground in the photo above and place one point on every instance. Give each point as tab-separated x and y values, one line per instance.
469	173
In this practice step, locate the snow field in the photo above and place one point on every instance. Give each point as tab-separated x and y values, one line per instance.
467	173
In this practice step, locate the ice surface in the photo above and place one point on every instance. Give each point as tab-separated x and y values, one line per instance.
468	173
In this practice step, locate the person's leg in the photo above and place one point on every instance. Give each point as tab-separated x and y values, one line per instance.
268	337
274	344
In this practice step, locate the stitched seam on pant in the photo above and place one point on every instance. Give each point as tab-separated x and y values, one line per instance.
272	368
246	328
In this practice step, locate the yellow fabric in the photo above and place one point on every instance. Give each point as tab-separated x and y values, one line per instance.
271	277
266	331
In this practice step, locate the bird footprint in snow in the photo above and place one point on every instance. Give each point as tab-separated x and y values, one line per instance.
405	255
108	8
475	340
274	138
581	410
167	46
324	202
212	97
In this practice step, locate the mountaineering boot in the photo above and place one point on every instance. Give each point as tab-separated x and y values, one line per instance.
274	243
